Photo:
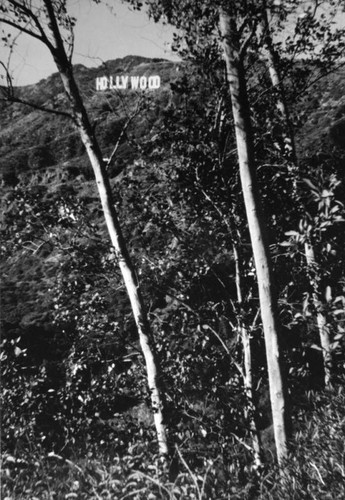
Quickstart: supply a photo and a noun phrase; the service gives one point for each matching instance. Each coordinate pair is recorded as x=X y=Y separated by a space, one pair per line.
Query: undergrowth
x=315 y=469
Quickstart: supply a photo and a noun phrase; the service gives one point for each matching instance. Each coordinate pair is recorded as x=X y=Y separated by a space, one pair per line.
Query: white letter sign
x=124 y=82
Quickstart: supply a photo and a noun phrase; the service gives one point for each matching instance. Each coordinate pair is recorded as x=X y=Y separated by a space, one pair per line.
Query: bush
x=315 y=469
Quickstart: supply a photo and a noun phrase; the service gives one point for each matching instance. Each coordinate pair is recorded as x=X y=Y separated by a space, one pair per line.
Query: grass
x=315 y=469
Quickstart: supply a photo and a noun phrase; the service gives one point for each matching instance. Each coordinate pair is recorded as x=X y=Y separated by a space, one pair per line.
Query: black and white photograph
x=172 y=285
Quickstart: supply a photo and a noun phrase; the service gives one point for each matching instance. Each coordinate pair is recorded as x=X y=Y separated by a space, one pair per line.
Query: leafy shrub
x=316 y=467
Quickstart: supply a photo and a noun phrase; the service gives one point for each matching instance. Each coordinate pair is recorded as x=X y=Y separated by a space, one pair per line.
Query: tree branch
x=21 y=28
x=246 y=41
x=123 y=131
x=54 y=28
x=27 y=11
x=10 y=97
x=18 y=100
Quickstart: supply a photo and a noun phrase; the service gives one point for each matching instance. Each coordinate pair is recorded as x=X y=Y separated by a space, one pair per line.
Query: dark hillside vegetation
x=31 y=140
x=76 y=420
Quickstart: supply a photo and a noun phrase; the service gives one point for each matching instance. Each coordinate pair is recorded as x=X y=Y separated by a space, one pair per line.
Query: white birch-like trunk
x=270 y=57
x=272 y=62
x=104 y=189
x=321 y=320
x=268 y=304
x=247 y=372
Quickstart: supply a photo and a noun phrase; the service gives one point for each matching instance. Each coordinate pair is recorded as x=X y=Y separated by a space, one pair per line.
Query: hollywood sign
x=128 y=82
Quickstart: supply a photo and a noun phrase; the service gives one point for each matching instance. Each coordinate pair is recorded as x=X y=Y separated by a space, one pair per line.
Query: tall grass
x=315 y=469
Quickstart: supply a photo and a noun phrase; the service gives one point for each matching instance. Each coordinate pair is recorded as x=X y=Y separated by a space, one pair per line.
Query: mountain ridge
x=26 y=132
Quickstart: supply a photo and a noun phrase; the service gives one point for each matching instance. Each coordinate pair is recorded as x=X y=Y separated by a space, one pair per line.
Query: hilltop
x=32 y=140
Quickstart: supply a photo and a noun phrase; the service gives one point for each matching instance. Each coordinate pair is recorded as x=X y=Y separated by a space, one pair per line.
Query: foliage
x=315 y=470
x=316 y=466
x=72 y=371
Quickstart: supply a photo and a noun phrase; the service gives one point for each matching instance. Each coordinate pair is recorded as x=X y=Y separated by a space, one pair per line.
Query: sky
x=101 y=33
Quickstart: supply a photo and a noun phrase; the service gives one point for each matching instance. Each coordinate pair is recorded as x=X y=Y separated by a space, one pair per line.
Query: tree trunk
x=271 y=58
x=321 y=320
x=85 y=130
x=268 y=303
x=247 y=372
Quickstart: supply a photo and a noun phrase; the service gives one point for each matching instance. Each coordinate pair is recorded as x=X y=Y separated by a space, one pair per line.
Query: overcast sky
x=100 y=34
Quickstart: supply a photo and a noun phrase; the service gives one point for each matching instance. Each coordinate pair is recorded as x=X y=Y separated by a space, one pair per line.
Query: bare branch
x=123 y=131
x=8 y=79
x=21 y=28
x=9 y=96
x=71 y=44
x=243 y=25
x=18 y=100
x=319 y=77
x=247 y=40
x=28 y=12
x=54 y=28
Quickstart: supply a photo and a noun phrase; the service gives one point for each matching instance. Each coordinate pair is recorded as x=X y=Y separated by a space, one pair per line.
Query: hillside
x=322 y=112
x=74 y=376
x=32 y=141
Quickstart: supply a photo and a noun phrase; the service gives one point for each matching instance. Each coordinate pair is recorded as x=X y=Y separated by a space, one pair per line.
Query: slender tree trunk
x=320 y=318
x=245 y=338
x=268 y=303
x=85 y=130
x=248 y=371
x=272 y=61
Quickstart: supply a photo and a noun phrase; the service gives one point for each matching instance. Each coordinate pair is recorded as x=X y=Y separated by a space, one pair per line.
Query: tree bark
x=248 y=366
x=271 y=58
x=272 y=61
x=268 y=304
x=132 y=286
x=321 y=319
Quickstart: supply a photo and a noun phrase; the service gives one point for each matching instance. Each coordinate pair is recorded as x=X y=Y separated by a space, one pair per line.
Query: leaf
x=339 y=311
x=17 y=351
x=325 y=224
x=310 y=184
x=326 y=193
x=328 y=294
x=51 y=454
